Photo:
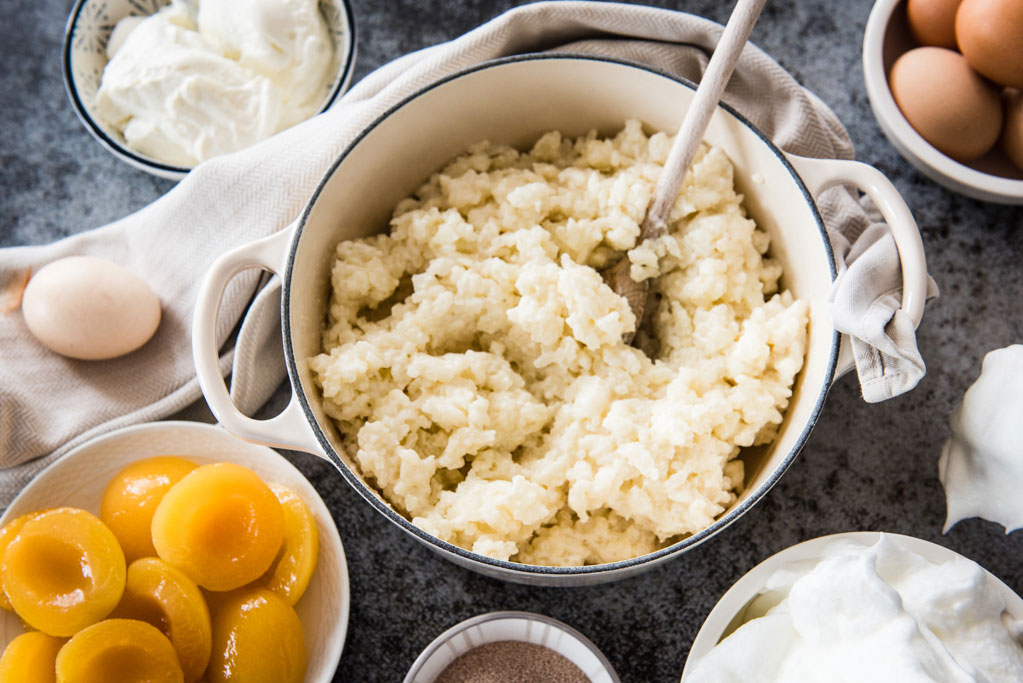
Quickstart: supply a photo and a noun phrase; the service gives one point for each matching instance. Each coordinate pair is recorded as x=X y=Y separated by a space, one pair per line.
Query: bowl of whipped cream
x=168 y=84
x=862 y=606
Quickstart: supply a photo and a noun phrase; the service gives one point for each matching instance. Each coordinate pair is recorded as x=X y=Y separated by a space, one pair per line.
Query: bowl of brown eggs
x=945 y=81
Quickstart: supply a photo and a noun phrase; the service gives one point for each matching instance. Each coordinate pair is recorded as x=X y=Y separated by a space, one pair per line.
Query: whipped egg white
x=184 y=88
x=875 y=613
x=981 y=465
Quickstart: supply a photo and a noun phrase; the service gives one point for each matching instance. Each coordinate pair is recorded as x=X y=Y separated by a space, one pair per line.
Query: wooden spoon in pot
x=687 y=141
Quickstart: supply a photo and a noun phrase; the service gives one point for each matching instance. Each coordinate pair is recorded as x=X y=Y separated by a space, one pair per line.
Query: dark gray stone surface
x=865 y=467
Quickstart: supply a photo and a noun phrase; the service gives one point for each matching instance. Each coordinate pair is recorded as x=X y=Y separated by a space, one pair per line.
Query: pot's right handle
x=289 y=429
x=821 y=174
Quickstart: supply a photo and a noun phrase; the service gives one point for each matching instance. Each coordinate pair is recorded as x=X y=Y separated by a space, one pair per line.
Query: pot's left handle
x=821 y=174
x=289 y=429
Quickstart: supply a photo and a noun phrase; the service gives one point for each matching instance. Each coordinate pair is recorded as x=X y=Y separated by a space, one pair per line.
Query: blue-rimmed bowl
x=513 y=101
x=84 y=57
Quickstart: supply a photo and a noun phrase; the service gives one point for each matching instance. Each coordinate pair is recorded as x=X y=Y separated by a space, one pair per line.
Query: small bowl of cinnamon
x=522 y=645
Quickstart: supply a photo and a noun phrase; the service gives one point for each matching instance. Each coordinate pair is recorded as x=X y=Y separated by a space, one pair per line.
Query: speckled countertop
x=865 y=467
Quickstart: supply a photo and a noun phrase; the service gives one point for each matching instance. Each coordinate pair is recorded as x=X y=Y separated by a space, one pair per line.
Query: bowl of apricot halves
x=171 y=552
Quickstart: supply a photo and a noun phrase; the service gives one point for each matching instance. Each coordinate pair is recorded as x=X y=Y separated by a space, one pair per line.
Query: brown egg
x=951 y=106
x=1012 y=131
x=990 y=35
x=89 y=308
x=933 y=22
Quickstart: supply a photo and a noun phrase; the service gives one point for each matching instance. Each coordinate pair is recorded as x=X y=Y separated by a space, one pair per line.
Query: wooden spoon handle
x=690 y=133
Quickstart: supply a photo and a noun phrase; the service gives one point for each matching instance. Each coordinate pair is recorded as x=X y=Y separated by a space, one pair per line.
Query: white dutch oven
x=514 y=101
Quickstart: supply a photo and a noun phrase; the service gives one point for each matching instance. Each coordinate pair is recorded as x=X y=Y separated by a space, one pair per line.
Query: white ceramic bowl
x=991 y=178
x=514 y=101
x=523 y=626
x=84 y=56
x=730 y=611
x=79 y=478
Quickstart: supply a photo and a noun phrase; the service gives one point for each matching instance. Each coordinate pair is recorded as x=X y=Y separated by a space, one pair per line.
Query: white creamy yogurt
x=981 y=465
x=873 y=613
x=182 y=92
x=283 y=40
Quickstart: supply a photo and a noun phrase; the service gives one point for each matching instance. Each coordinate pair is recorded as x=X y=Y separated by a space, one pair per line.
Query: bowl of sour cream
x=862 y=606
x=165 y=85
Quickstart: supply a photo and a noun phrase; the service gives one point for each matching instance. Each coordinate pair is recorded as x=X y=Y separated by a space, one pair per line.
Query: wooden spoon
x=687 y=141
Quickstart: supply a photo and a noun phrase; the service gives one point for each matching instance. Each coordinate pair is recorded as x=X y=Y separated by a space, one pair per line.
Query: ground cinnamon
x=512 y=661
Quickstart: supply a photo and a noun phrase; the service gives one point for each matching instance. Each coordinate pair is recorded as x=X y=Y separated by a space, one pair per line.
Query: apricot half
x=131 y=497
x=257 y=638
x=122 y=650
x=220 y=524
x=63 y=571
x=295 y=563
x=7 y=534
x=30 y=657
x=160 y=595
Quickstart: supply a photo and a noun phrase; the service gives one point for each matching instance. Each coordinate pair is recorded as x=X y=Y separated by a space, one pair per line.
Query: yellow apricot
x=220 y=524
x=63 y=571
x=295 y=563
x=158 y=594
x=257 y=638
x=122 y=650
x=7 y=534
x=131 y=497
x=30 y=658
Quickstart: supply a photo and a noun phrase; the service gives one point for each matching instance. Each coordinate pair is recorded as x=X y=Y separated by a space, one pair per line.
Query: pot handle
x=822 y=174
x=289 y=429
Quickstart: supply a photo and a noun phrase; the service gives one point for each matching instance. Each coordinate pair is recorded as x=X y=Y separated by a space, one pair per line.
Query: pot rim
x=506 y=566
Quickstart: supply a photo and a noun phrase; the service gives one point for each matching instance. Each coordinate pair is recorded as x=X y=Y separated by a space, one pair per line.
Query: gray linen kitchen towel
x=50 y=404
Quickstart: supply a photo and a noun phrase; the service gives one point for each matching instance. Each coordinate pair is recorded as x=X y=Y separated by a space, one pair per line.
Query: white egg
x=89 y=308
